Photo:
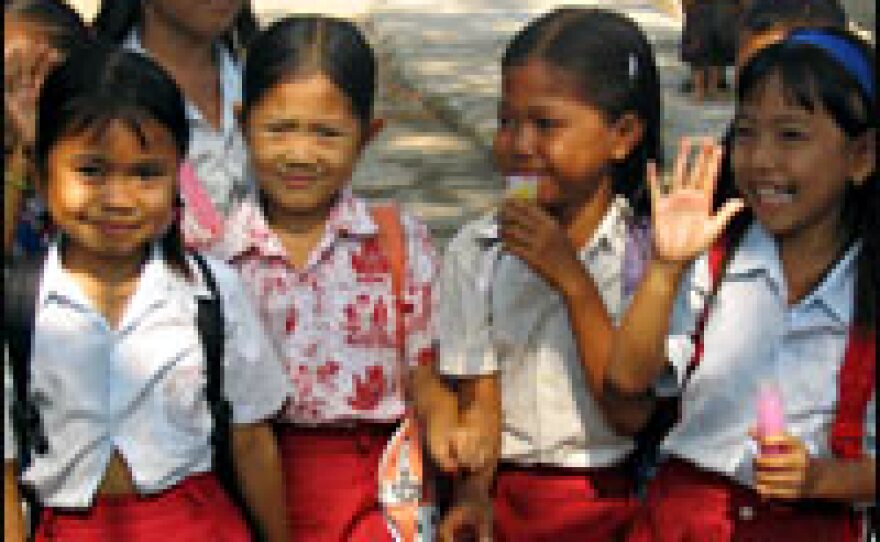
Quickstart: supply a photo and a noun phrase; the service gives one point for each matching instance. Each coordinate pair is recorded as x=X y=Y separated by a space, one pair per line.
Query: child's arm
x=437 y=410
x=792 y=474
x=258 y=470
x=539 y=240
x=13 y=516
x=477 y=446
x=683 y=227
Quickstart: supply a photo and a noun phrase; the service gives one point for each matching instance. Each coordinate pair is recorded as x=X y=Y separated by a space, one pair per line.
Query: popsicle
x=522 y=187
x=771 y=416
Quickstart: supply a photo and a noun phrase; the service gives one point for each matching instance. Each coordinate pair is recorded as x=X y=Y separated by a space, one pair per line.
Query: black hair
x=116 y=19
x=614 y=65
x=65 y=28
x=764 y=15
x=99 y=84
x=306 y=45
x=815 y=80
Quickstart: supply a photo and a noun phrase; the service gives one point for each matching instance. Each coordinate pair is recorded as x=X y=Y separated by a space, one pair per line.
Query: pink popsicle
x=771 y=416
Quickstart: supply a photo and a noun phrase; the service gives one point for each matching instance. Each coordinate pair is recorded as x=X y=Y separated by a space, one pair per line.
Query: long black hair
x=116 y=19
x=65 y=27
x=306 y=45
x=99 y=84
x=816 y=79
x=613 y=62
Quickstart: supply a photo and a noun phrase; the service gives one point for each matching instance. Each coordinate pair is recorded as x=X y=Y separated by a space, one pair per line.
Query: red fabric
x=855 y=384
x=685 y=503
x=561 y=505
x=331 y=478
x=195 y=510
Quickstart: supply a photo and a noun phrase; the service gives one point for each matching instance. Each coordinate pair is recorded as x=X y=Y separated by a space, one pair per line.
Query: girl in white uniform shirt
x=580 y=110
x=792 y=304
x=117 y=371
x=199 y=44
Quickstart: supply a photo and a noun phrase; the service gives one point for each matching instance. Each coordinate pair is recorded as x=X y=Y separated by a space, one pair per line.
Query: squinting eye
x=793 y=135
x=543 y=123
x=328 y=131
x=149 y=172
x=90 y=170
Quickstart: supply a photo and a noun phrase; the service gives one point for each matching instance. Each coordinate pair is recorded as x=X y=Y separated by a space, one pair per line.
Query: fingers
x=442 y=452
x=681 y=164
x=725 y=215
x=653 y=178
x=471 y=448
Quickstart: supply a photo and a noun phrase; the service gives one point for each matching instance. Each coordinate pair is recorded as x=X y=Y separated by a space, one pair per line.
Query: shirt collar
x=157 y=281
x=758 y=254
x=350 y=217
x=230 y=82
x=609 y=236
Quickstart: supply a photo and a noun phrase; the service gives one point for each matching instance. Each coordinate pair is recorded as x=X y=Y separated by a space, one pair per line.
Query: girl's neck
x=808 y=256
x=109 y=282
x=581 y=222
x=174 y=48
x=299 y=232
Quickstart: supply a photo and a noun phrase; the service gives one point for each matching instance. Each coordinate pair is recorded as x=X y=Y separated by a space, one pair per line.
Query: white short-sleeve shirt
x=752 y=337
x=495 y=315
x=138 y=389
x=218 y=156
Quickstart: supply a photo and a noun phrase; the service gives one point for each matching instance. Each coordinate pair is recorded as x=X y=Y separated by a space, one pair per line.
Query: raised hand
x=26 y=66
x=683 y=223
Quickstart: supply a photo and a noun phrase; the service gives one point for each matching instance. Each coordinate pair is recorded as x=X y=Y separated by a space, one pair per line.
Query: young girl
x=117 y=373
x=37 y=34
x=312 y=257
x=787 y=299
x=199 y=45
x=527 y=300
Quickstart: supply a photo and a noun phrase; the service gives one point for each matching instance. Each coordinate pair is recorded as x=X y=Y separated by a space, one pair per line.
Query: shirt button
x=746 y=513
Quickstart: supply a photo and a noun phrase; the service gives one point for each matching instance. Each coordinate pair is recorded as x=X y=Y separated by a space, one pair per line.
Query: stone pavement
x=450 y=53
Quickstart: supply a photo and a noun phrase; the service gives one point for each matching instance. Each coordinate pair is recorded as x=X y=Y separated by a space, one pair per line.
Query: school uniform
x=219 y=156
x=334 y=320
x=139 y=390
x=752 y=336
x=560 y=476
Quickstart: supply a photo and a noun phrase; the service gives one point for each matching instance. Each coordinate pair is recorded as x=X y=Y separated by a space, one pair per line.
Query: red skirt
x=195 y=510
x=331 y=480
x=557 y=504
x=687 y=503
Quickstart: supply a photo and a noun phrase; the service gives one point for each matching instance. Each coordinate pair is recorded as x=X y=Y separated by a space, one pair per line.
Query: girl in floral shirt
x=312 y=256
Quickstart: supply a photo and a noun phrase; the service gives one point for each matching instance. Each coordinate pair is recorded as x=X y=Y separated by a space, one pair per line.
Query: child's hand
x=784 y=473
x=468 y=519
x=441 y=424
x=26 y=67
x=534 y=236
x=683 y=224
x=477 y=440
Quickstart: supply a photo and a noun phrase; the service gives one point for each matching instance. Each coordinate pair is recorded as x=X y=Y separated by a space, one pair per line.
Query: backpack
x=405 y=489
x=21 y=284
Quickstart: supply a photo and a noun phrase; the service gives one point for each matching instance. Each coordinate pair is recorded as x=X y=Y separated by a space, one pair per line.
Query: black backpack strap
x=211 y=327
x=21 y=288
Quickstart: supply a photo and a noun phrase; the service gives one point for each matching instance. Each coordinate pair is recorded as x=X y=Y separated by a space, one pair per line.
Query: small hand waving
x=683 y=223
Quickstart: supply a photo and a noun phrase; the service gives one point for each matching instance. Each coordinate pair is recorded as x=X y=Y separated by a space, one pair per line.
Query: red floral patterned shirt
x=333 y=320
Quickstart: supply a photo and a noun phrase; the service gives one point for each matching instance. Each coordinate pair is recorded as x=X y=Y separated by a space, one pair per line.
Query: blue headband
x=848 y=55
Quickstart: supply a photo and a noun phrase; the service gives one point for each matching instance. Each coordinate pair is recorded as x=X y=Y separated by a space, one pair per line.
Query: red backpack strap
x=855 y=385
x=717 y=256
x=392 y=240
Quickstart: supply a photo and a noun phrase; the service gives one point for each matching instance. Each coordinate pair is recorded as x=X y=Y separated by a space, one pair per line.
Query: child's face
x=546 y=129
x=206 y=18
x=111 y=189
x=304 y=141
x=792 y=165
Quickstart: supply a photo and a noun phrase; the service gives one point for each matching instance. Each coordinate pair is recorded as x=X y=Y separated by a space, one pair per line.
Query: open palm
x=683 y=223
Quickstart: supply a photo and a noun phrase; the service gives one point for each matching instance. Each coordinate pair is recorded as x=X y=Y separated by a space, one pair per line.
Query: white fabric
x=494 y=315
x=753 y=336
x=138 y=389
x=219 y=156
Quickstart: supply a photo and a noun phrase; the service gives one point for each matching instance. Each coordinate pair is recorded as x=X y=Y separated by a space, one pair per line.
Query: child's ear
x=863 y=157
x=628 y=130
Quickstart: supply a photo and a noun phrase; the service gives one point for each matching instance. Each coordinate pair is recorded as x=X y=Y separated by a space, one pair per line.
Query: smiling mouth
x=773 y=195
